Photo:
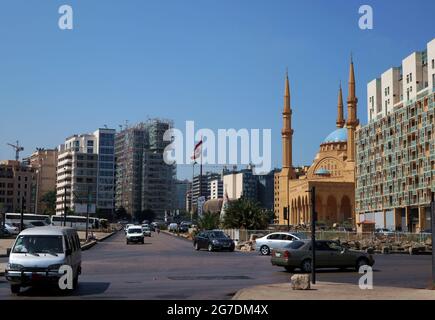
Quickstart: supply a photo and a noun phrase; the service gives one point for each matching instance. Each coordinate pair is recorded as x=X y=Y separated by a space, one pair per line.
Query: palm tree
x=208 y=221
x=246 y=214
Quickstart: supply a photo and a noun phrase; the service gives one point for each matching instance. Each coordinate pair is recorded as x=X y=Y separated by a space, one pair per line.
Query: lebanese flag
x=197 y=150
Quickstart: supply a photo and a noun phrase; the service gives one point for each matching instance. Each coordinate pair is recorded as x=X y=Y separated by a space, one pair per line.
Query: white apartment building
x=401 y=85
x=85 y=173
x=216 y=189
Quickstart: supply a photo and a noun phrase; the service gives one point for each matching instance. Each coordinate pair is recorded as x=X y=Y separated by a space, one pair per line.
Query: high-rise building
x=17 y=187
x=182 y=189
x=216 y=189
x=205 y=186
x=143 y=180
x=85 y=173
x=241 y=183
x=44 y=163
x=395 y=161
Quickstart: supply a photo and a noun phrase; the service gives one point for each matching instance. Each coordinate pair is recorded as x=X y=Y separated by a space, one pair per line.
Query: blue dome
x=322 y=172
x=339 y=135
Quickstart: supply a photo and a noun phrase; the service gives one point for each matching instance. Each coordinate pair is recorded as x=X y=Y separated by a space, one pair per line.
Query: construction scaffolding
x=143 y=180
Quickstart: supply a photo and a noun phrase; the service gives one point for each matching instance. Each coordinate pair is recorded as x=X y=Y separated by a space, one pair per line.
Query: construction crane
x=17 y=149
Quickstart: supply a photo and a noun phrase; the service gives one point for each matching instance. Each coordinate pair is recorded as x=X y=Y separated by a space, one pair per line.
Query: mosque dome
x=322 y=172
x=339 y=135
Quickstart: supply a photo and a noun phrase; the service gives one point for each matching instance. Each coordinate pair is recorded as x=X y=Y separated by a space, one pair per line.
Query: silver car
x=276 y=240
x=38 y=254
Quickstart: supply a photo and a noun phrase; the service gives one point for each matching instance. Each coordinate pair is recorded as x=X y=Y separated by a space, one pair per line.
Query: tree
x=49 y=200
x=121 y=213
x=209 y=221
x=246 y=214
x=146 y=214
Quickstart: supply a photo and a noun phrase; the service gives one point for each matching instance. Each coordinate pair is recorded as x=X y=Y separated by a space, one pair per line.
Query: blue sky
x=220 y=63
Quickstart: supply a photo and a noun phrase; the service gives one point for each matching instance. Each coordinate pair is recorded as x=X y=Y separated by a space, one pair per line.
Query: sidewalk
x=332 y=291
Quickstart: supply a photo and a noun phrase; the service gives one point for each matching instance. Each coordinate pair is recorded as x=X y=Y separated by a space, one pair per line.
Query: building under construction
x=143 y=180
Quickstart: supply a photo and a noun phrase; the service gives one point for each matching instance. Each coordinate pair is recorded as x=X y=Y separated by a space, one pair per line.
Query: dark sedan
x=213 y=240
x=329 y=254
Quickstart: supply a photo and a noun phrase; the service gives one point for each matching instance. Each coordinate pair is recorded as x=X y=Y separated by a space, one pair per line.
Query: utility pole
x=87 y=212
x=22 y=214
x=313 y=234
x=64 y=206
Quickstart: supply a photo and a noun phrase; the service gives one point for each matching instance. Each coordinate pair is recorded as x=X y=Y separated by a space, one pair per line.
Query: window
x=433 y=63
x=275 y=236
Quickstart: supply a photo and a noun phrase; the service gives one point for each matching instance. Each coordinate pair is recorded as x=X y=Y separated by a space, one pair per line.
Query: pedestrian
x=158 y=230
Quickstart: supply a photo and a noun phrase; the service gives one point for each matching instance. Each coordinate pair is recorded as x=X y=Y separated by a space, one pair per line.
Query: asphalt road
x=167 y=267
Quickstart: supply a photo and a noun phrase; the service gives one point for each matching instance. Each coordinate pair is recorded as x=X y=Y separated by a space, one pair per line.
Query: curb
x=175 y=235
x=107 y=236
x=88 y=245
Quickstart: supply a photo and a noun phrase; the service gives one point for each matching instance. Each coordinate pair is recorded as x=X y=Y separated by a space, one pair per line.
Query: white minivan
x=39 y=252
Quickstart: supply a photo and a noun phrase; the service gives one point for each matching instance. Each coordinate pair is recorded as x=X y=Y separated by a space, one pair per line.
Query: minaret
x=287 y=172
x=352 y=121
x=287 y=132
x=340 y=118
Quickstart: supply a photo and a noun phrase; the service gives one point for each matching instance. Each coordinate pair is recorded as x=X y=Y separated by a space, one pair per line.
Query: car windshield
x=217 y=235
x=38 y=244
x=295 y=245
x=134 y=230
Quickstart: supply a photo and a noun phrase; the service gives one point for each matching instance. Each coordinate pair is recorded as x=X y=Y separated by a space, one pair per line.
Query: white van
x=38 y=253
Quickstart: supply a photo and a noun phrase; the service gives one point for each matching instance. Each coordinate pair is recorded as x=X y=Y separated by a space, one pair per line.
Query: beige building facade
x=17 y=182
x=44 y=163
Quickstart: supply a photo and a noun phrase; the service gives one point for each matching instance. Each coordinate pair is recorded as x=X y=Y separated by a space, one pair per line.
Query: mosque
x=332 y=172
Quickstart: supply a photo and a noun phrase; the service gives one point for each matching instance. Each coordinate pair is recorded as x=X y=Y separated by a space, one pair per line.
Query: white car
x=276 y=240
x=173 y=227
x=134 y=234
x=146 y=231
x=12 y=229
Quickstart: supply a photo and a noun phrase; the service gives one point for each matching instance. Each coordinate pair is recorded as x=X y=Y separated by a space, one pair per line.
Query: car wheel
x=196 y=246
x=210 y=247
x=306 y=266
x=361 y=262
x=232 y=249
x=127 y=242
x=289 y=269
x=15 y=288
x=264 y=250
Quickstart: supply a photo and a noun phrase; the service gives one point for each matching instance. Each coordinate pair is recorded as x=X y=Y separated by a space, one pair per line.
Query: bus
x=15 y=218
x=77 y=222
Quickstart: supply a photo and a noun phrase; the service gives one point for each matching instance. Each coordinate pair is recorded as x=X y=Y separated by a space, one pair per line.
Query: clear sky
x=220 y=63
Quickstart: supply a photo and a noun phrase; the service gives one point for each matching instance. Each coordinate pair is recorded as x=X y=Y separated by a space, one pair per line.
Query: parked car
x=276 y=240
x=4 y=232
x=213 y=240
x=329 y=254
x=146 y=231
x=183 y=227
x=134 y=234
x=39 y=252
x=384 y=232
x=13 y=230
x=173 y=227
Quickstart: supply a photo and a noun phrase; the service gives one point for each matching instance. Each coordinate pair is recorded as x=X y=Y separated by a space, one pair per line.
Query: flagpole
x=200 y=173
